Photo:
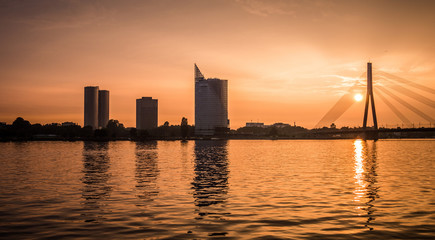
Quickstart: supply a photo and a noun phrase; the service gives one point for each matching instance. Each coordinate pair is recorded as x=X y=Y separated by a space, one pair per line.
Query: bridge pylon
x=370 y=99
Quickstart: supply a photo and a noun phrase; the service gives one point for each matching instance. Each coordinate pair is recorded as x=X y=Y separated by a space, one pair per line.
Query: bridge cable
x=409 y=106
x=412 y=94
x=393 y=108
x=340 y=107
x=410 y=83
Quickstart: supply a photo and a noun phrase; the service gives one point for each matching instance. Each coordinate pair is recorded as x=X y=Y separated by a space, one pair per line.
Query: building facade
x=211 y=104
x=91 y=107
x=96 y=107
x=146 y=113
x=103 y=108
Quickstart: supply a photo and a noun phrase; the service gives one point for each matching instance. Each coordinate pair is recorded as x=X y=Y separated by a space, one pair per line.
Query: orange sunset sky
x=285 y=61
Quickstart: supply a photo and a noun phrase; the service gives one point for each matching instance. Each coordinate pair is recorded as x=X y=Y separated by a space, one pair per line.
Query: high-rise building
x=146 y=113
x=211 y=104
x=103 y=108
x=96 y=107
x=91 y=107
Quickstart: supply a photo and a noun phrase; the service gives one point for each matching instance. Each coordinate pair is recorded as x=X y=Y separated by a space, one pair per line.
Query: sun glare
x=358 y=97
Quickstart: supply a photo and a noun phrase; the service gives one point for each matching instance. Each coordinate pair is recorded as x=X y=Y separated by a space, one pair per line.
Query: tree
x=115 y=128
x=20 y=123
x=133 y=133
x=184 y=128
x=86 y=132
x=21 y=128
x=101 y=133
x=273 y=131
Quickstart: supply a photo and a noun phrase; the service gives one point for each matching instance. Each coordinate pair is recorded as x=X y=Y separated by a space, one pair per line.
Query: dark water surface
x=338 y=189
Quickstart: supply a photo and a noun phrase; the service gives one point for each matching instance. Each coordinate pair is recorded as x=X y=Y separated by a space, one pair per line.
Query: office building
x=96 y=107
x=103 y=108
x=91 y=107
x=146 y=113
x=211 y=104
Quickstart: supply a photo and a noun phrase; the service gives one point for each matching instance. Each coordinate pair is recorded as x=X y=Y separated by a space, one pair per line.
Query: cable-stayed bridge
x=396 y=93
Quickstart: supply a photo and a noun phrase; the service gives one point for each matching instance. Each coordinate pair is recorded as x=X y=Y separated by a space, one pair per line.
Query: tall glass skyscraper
x=211 y=104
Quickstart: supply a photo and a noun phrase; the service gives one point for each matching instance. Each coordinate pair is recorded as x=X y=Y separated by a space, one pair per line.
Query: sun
x=358 y=97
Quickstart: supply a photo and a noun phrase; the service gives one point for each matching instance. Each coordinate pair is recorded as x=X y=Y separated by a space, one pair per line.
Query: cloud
x=266 y=8
x=49 y=15
x=285 y=7
x=345 y=80
x=421 y=69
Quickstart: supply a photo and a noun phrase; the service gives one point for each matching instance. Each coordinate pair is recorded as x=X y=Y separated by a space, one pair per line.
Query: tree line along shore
x=23 y=130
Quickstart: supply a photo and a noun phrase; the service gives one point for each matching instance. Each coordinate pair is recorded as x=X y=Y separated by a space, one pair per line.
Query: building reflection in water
x=210 y=184
x=147 y=171
x=96 y=190
x=366 y=190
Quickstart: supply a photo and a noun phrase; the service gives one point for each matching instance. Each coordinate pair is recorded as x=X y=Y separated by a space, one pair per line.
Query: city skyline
x=288 y=61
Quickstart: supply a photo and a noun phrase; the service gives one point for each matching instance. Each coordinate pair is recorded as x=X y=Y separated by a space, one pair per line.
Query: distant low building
x=254 y=124
x=67 y=124
x=146 y=113
x=280 y=125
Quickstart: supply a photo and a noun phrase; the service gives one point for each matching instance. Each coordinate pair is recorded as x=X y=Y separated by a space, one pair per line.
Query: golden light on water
x=366 y=188
x=360 y=188
x=358 y=97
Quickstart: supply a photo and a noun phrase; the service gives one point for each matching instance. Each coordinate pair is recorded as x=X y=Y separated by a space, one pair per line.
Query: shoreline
x=205 y=139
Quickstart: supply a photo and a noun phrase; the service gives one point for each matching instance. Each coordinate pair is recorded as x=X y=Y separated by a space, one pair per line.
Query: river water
x=236 y=189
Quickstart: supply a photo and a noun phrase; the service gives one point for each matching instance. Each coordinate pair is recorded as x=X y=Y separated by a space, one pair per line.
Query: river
x=230 y=189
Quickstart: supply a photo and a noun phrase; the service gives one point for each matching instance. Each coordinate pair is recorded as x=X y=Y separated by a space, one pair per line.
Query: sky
x=285 y=61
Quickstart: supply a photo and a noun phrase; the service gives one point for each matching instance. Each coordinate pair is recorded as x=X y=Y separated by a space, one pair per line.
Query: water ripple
x=255 y=189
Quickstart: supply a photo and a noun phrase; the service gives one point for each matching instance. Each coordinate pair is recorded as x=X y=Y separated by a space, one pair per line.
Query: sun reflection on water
x=366 y=189
x=359 y=157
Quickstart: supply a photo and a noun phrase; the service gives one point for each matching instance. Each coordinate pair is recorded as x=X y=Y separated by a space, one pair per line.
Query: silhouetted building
x=96 y=107
x=103 y=108
x=146 y=113
x=91 y=107
x=254 y=124
x=211 y=104
x=281 y=125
